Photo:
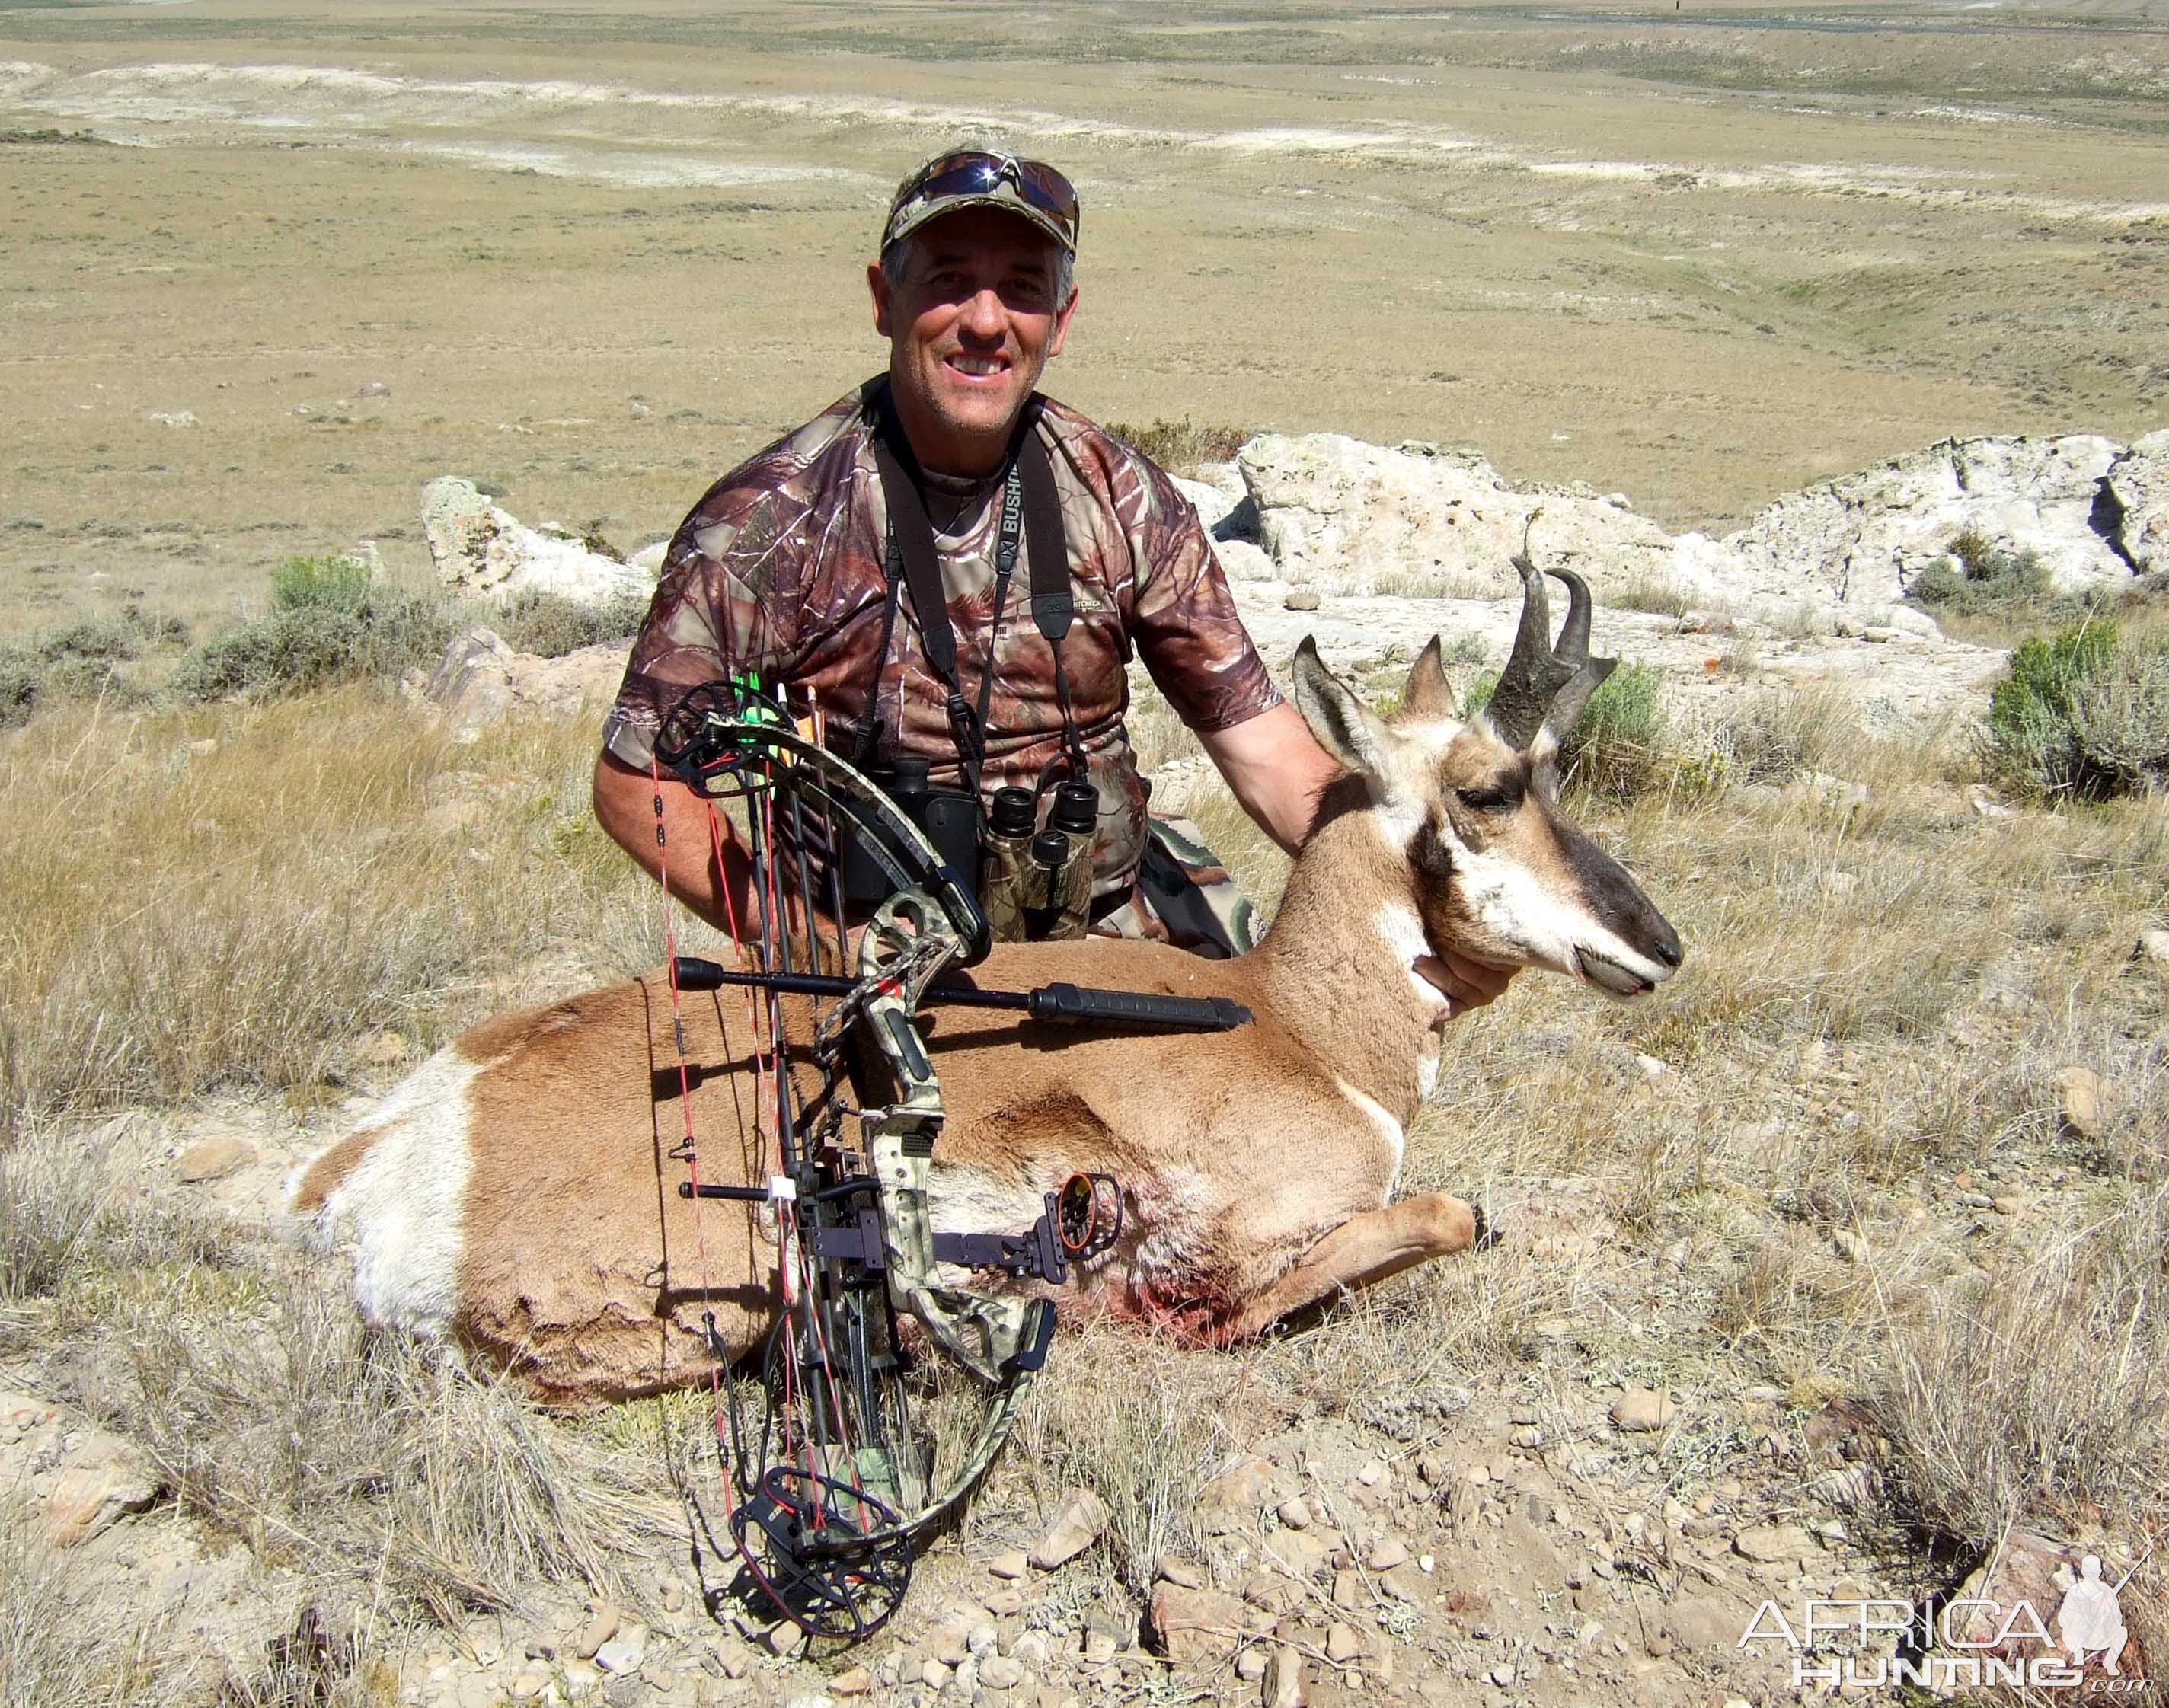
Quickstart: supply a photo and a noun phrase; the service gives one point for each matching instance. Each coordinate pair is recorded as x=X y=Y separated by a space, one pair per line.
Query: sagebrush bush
x=1980 y=578
x=20 y=682
x=1621 y=745
x=2085 y=713
x=551 y=625
x=333 y=583
x=294 y=647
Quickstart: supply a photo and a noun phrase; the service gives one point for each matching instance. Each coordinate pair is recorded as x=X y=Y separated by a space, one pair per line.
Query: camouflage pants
x=1182 y=896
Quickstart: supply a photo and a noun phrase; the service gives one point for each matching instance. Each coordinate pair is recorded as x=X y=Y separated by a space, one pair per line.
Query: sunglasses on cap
x=976 y=177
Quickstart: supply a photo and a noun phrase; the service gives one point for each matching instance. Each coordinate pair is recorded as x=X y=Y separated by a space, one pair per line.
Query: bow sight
x=829 y=1493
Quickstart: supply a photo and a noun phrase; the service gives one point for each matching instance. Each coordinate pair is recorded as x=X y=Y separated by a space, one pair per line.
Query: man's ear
x=1061 y=324
x=877 y=282
x=1344 y=726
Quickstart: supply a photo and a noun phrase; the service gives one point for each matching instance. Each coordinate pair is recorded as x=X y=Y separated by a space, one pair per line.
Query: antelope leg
x=1364 y=1248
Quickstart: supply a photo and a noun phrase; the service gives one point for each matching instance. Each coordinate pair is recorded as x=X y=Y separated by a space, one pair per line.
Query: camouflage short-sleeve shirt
x=778 y=568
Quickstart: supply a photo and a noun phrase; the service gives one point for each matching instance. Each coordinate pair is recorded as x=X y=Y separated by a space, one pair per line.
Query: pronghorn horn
x=1573 y=650
x=1533 y=675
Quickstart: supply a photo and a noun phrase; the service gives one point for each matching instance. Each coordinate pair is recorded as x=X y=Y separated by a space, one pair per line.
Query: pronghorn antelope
x=515 y=1196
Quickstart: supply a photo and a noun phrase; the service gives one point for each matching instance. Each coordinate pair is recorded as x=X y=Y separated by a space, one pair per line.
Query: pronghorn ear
x=1344 y=726
x=1429 y=697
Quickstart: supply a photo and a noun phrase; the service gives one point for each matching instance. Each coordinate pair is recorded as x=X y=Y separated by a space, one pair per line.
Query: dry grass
x=229 y=896
x=1878 y=995
x=53 y=1652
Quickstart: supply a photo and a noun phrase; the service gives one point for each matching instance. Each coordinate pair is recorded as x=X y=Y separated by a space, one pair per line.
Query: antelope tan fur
x=516 y=1196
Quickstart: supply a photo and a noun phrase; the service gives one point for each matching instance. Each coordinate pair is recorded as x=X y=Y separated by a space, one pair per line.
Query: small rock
x=1031 y=1650
x=1302 y=600
x=1010 y=1565
x=1642 y=1411
x=105 y=1479
x=1389 y=1553
x=1502 y=1676
x=600 y=1627
x=947 y=1645
x=1001 y=1672
x=1976 y=1201
x=624 y=1649
x=935 y=1674
x=1284 y=1685
x=1251 y=1665
x=1372 y=1474
x=1082 y=1518
x=1773 y=1544
x=212 y=1160
x=2081 y=1098
x=1194 y=1627
x=1294 y=1511
x=1100 y=1648
x=1173 y=1568
x=1342 y=1644
x=2152 y=946
x=373 y=388
x=2006 y=1205
x=1850 y=1245
x=1528 y=1436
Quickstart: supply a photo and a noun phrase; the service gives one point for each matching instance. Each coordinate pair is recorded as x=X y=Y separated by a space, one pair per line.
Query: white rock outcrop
x=484 y=552
x=2138 y=485
x=479 y=679
x=1338 y=516
x=1861 y=539
x=1346 y=517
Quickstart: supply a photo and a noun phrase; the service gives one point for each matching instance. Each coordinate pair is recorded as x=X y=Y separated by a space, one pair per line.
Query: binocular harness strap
x=1030 y=508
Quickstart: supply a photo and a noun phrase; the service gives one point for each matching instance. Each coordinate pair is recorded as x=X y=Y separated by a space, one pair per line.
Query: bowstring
x=685 y=1098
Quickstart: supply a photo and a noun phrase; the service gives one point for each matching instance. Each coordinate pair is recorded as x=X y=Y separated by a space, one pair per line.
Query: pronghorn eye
x=1489 y=800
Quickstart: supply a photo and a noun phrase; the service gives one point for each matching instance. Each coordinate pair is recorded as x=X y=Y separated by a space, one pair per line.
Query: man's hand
x=1465 y=984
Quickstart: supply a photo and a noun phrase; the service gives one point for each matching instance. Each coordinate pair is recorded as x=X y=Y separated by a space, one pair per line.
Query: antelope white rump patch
x=406 y=1201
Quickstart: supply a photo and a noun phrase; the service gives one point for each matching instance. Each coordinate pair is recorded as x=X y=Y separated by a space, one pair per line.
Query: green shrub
x=334 y=583
x=106 y=638
x=1980 y=579
x=20 y=681
x=1620 y=745
x=292 y=647
x=552 y=625
x=2085 y=713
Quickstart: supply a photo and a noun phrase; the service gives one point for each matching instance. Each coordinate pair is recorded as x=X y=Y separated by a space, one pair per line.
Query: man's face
x=970 y=330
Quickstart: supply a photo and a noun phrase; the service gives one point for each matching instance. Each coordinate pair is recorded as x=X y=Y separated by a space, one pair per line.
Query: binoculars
x=1034 y=884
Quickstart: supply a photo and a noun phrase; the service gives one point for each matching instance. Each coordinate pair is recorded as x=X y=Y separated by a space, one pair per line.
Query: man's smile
x=975 y=367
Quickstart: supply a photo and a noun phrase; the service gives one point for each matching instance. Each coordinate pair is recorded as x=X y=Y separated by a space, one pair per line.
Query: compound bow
x=830 y=1497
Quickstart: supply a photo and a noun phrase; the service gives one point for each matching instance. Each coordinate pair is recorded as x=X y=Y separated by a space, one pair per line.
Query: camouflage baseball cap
x=978 y=177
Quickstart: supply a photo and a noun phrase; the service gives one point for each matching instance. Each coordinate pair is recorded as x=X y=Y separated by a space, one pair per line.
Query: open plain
x=1833 y=1271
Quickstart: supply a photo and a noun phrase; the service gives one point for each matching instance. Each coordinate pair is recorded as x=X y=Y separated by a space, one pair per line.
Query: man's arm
x=1277 y=770
x=625 y=807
